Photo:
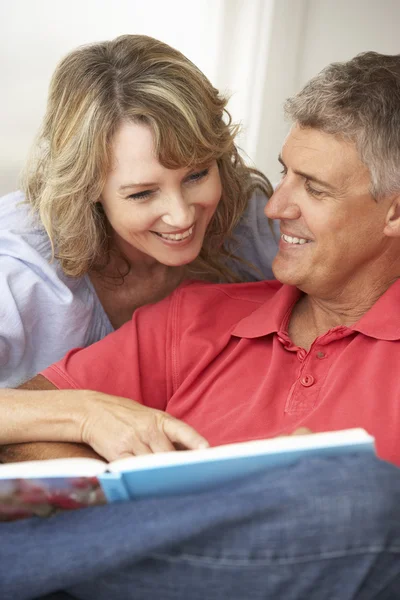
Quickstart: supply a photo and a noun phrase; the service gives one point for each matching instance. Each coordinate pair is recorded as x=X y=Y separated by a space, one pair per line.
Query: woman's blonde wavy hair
x=93 y=90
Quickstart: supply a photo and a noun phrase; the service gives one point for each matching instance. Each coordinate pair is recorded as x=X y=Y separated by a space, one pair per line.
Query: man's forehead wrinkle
x=301 y=146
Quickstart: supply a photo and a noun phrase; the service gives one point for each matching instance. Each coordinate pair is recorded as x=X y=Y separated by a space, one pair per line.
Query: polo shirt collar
x=269 y=316
x=381 y=322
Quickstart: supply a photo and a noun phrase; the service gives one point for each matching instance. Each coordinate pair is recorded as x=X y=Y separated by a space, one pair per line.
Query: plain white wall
x=306 y=37
x=260 y=50
x=36 y=34
x=224 y=38
x=338 y=30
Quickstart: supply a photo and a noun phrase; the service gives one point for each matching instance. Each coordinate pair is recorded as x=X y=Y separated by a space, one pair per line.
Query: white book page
x=60 y=467
x=90 y=467
x=291 y=443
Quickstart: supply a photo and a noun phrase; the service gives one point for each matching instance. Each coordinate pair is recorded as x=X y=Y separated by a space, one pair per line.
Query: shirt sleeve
x=132 y=362
x=255 y=241
x=42 y=315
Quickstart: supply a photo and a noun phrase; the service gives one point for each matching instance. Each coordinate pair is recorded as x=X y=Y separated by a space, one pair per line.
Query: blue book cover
x=200 y=470
x=41 y=488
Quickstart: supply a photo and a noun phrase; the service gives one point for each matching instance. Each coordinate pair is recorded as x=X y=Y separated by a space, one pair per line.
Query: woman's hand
x=41 y=422
x=116 y=428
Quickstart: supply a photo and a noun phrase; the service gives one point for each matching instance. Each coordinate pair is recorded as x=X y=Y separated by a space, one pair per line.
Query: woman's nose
x=179 y=214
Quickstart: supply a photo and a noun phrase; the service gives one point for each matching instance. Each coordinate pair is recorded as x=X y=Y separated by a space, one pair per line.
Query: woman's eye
x=283 y=172
x=198 y=175
x=312 y=191
x=141 y=195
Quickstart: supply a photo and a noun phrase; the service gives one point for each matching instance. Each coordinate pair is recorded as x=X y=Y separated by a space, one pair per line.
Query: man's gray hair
x=358 y=100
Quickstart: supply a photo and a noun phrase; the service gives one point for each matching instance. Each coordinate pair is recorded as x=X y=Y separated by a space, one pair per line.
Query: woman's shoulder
x=26 y=254
x=255 y=241
x=16 y=214
x=254 y=219
x=24 y=242
x=44 y=312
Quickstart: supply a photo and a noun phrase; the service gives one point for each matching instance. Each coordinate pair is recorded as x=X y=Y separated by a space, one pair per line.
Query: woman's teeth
x=176 y=236
x=293 y=240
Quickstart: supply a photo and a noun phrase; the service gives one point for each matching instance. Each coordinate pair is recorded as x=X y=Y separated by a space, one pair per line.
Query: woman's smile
x=176 y=237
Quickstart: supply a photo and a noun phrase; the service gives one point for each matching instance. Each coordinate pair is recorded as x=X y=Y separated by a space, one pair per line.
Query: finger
x=161 y=444
x=123 y=455
x=298 y=431
x=138 y=448
x=302 y=431
x=181 y=433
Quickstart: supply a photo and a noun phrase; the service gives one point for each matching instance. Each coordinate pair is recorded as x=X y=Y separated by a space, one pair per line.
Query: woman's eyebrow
x=128 y=186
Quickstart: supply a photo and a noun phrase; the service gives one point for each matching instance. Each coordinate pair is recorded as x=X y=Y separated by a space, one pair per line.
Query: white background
x=260 y=51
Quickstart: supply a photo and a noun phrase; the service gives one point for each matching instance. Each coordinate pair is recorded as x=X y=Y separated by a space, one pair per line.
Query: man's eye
x=312 y=190
x=140 y=195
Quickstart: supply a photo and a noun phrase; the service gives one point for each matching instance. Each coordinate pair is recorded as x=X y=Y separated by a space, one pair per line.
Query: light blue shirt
x=44 y=313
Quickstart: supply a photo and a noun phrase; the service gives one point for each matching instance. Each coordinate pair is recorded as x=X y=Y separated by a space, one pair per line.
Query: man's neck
x=312 y=316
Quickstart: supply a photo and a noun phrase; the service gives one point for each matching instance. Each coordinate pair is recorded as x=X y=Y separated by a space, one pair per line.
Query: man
x=318 y=348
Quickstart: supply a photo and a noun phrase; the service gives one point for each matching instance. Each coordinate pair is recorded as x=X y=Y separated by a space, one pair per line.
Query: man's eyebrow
x=128 y=186
x=308 y=176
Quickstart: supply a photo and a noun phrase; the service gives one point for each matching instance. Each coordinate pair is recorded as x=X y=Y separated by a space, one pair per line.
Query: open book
x=43 y=487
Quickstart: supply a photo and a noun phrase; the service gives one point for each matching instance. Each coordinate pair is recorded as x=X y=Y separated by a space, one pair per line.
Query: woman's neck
x=121 y=294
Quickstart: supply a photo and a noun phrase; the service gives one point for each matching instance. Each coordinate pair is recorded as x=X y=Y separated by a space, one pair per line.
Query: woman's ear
x=392 y=226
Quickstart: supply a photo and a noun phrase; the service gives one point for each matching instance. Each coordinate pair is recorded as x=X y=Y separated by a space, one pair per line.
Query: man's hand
x=299 y=431
x=302 y=431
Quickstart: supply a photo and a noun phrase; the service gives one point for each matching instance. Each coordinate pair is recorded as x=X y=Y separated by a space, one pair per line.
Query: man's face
x=331 y=226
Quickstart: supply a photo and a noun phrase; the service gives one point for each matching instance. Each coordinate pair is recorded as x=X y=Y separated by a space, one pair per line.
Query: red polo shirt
x=219 y=358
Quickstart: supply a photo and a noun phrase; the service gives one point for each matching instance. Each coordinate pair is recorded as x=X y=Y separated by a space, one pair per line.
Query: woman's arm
x=37 y=417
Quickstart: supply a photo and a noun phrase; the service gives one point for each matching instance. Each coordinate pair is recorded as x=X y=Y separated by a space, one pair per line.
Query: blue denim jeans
x=323 y=529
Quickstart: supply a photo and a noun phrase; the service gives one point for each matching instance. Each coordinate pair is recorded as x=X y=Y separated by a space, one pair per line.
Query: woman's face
x=157 y=212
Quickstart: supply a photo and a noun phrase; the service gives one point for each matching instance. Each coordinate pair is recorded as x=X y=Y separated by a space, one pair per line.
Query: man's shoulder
x=230 y=301
x=256 y=292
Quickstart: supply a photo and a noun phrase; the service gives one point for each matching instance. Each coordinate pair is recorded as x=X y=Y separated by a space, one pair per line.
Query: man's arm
x=44 y=451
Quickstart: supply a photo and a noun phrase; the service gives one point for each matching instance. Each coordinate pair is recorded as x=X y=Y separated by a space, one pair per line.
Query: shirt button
x=320 y=354
x=307 y=380
x=301 y=354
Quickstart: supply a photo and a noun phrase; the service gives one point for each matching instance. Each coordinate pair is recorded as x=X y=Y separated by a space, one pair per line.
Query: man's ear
x=392 y=226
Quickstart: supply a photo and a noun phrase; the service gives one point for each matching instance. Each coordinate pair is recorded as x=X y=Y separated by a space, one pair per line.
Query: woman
x=135 y=184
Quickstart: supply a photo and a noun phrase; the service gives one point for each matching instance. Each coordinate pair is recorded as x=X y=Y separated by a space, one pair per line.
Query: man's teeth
x=293 y=240
x=177 y=236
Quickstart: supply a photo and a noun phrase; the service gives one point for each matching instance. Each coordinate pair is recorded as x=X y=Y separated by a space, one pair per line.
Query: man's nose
x=282 y=205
